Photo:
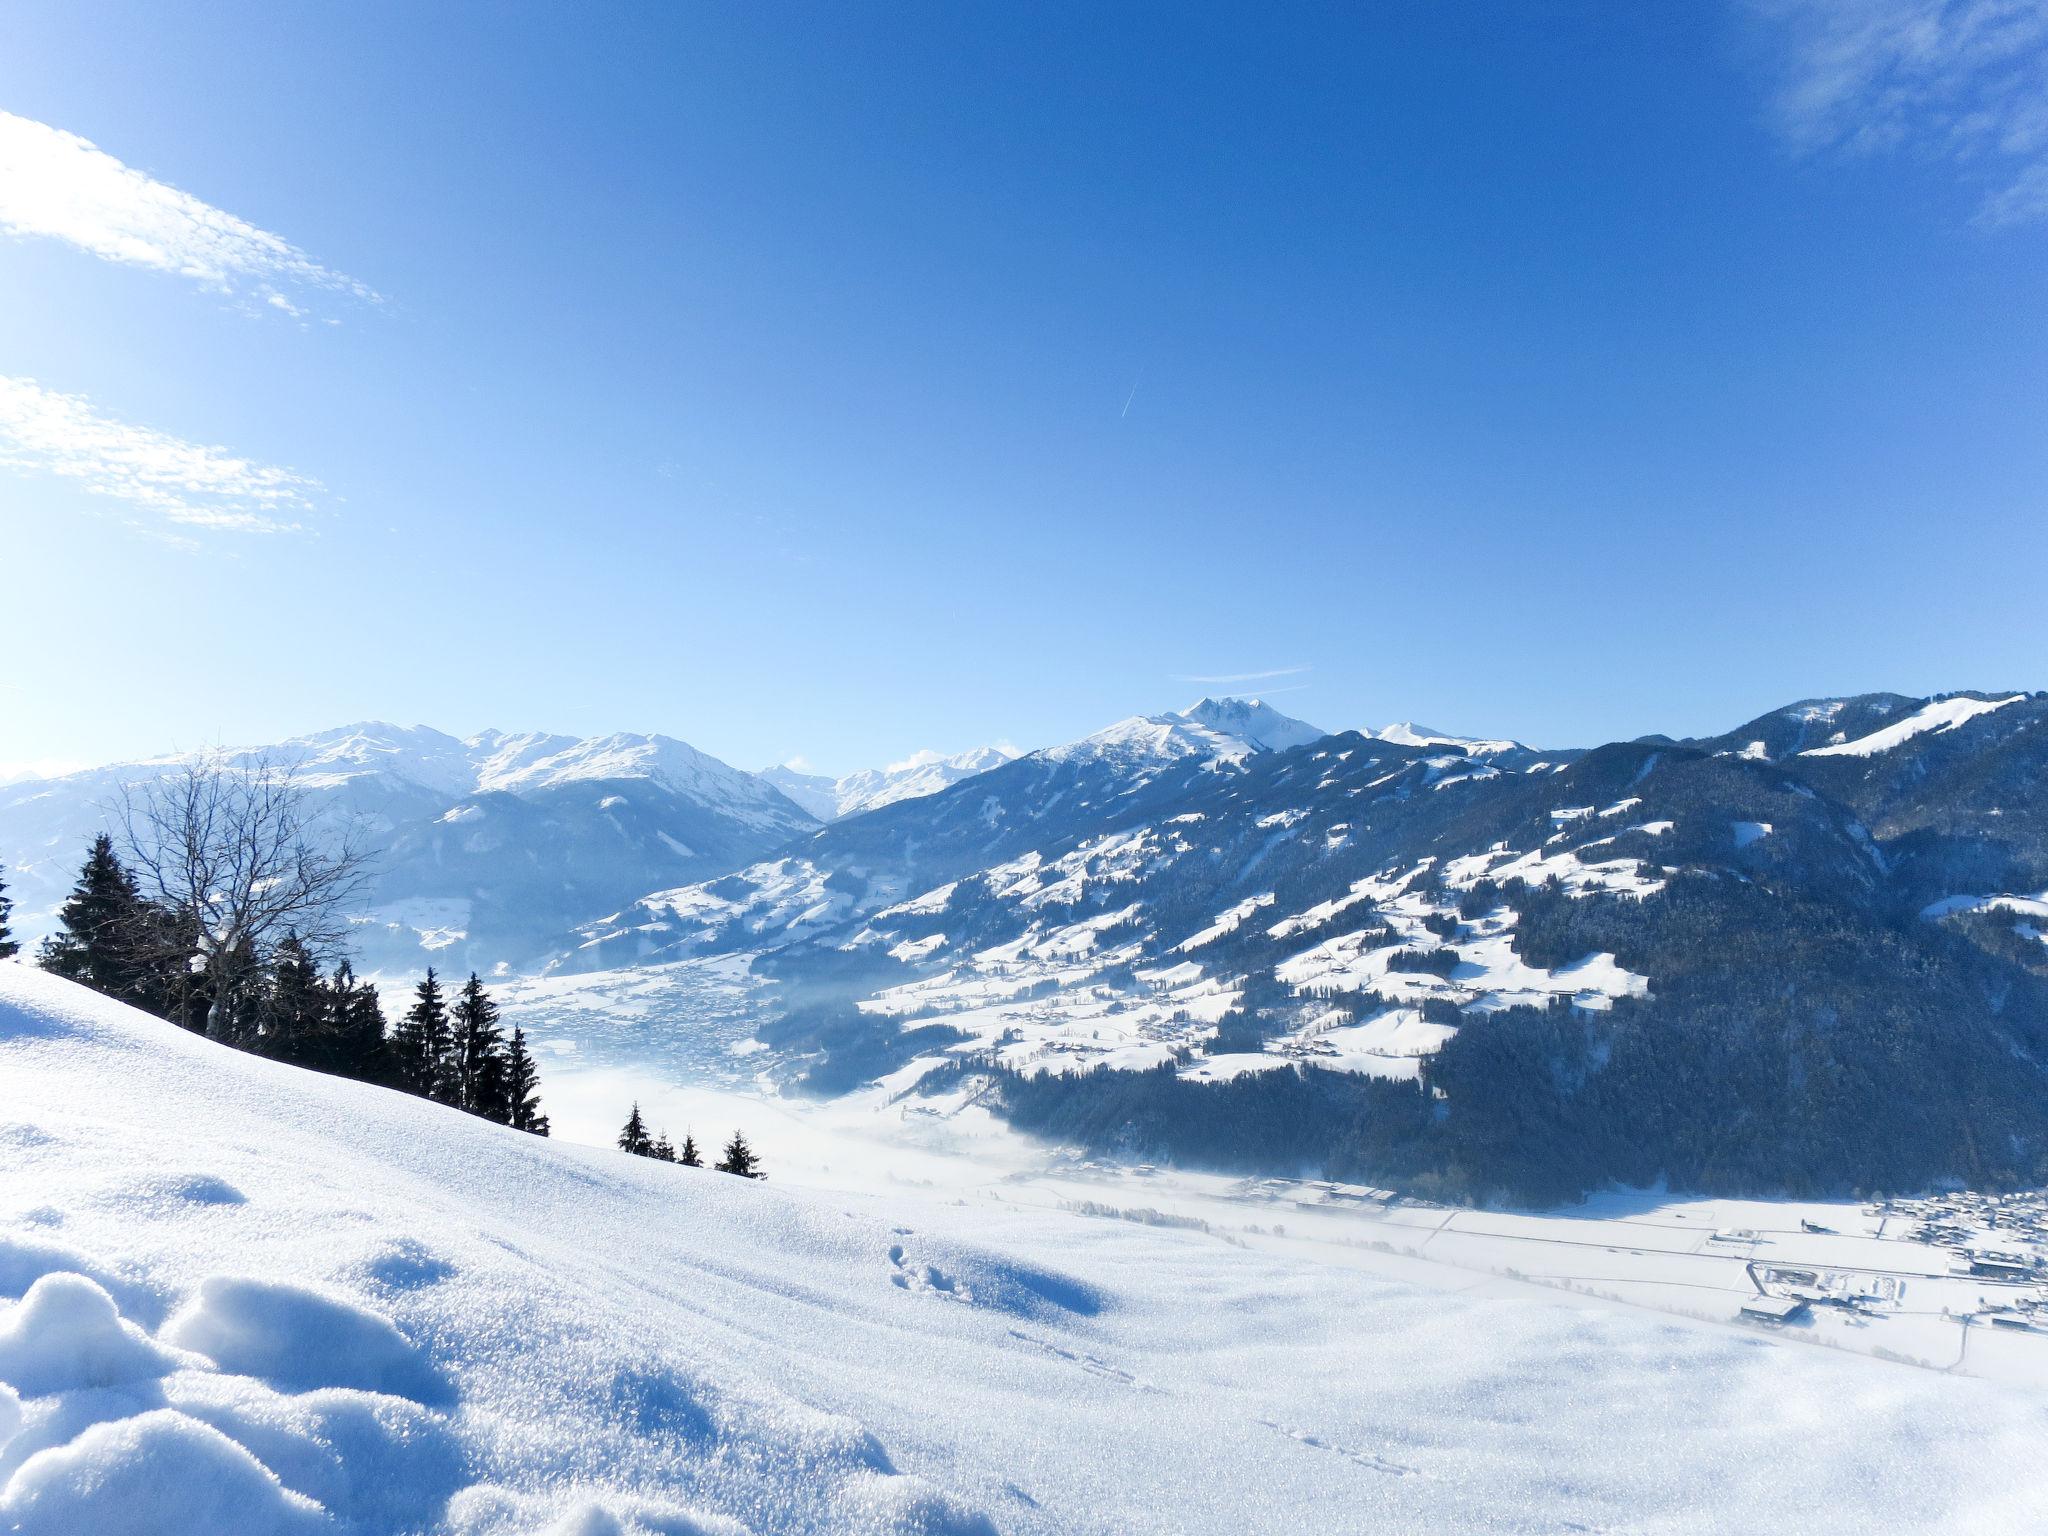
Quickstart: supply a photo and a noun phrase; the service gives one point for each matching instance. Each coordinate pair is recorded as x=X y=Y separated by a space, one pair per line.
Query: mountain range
x=922 y=773
x=487 y=847
x=1805 y=953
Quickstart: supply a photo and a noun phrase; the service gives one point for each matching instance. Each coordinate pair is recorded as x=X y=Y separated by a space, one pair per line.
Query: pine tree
x=238 y=1006
x=420 y=1044
x=522 y=1088
x=7 y=944
x=739 y=1158
x=354 y=1037
x=633 y=1138
x=102 y=941
x=663 y=1151
x=690 y=1157
x=295 y=1012
x=478 y=1053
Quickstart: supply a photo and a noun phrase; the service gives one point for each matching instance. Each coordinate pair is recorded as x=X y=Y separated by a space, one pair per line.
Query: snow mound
x=299 y=1340
x=66 y=1334
x=157 y=1474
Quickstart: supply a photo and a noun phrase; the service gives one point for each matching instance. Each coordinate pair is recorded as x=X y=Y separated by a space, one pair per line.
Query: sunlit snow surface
x=240 y=1298
x=1941 y=715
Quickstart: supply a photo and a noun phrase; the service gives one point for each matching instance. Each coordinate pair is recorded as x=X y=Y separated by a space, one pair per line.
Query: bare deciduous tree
x=232 y=853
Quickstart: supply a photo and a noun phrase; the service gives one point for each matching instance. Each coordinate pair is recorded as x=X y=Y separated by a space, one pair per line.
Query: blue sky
x=844 y=380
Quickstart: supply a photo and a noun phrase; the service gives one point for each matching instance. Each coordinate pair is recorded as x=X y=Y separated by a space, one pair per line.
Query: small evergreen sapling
x=739 y=1158
x=634 y=1138
x=690 y=1157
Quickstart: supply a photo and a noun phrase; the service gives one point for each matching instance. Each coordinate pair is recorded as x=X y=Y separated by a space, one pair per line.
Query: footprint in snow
x=923 y=1277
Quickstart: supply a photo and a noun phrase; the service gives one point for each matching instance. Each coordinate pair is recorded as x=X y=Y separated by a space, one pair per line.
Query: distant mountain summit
x=922 y=773
x=1253 y=721
x=1220 y=730
x=1407 y=733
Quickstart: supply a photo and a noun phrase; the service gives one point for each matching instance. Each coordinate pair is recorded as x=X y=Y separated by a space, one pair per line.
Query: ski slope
x=236 y=1298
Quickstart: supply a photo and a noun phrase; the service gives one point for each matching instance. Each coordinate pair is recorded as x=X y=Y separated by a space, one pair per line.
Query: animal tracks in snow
x=1370 y=1459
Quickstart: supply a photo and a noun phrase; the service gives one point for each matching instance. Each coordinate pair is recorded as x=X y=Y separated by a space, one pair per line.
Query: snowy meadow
x=242 y=1298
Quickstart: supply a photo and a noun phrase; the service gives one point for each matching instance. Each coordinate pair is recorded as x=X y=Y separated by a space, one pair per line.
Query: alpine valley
x=1807 y=956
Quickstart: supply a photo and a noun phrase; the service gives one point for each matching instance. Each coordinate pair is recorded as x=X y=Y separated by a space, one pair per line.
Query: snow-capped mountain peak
x=922 y=773
x=543 y=762
x=1254 y=722
x=1226 y=730
x=418 y=754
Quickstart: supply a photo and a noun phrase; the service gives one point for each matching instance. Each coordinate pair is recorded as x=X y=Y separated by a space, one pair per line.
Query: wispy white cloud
x=56 y=185
x=1240 y=677
x=178 y=485
x=1965 y=81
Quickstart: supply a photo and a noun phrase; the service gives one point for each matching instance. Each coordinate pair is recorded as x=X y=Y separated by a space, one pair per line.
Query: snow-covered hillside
x=1662 y=921
x=241 y=1300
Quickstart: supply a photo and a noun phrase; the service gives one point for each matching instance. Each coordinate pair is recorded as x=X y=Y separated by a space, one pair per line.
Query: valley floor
x=236 y=1298
x=1889 y=1281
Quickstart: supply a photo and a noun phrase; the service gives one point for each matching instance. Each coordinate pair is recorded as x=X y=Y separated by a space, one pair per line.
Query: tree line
x=219 y=911
x=278 y=1001
x=737 y=1158
x=215 y=911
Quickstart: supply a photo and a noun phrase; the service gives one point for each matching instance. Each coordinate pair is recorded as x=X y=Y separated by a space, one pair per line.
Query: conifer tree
x=354 y=1037
x=663 y=1150
x=7 y=944
x=739 y=1158
x=477 y=1053
x=420 y=1043
x=690 y=1157
x=236 y=1016
x=522 y=1088
x=295 y=1014
x=101 y=945
x=633 y=1138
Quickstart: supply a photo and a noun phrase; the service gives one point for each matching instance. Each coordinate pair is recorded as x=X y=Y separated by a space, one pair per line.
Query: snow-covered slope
x=241 y=1300
x=1940 y=715
x=920 y=774
x=1407 y=733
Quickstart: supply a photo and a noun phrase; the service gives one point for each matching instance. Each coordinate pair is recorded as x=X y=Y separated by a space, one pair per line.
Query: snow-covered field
x=240 y=1298
x=677 y=1039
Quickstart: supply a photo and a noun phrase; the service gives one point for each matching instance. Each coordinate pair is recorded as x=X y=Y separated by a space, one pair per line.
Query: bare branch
x=232 y=853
